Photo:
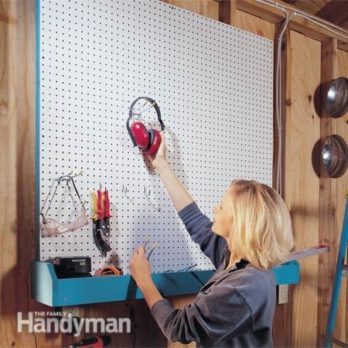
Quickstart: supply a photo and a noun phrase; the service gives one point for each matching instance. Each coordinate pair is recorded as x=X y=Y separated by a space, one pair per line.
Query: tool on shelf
x=109 y=270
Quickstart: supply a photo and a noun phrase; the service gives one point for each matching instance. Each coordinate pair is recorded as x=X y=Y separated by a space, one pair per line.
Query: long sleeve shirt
x=235 y=308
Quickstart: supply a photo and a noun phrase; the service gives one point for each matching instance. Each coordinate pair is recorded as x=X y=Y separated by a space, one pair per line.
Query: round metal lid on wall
x=334 y=155
x=337 y=97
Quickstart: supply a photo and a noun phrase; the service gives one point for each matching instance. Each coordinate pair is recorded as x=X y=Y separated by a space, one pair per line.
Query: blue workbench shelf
x=55 y=292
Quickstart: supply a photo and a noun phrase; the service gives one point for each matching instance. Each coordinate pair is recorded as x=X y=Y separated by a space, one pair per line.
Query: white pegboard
x=213 y=84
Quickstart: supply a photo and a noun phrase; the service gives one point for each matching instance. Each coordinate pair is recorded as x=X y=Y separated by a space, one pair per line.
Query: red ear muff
x=147 y=141
x=141 y=135
x=155 y=142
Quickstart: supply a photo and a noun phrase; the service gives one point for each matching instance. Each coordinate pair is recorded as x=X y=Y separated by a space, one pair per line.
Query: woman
x=250 y=234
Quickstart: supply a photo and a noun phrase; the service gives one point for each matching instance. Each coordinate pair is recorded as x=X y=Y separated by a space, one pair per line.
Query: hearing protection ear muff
x=148 y=141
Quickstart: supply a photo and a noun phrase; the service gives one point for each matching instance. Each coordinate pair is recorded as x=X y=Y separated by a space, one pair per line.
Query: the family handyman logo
x=46 y=322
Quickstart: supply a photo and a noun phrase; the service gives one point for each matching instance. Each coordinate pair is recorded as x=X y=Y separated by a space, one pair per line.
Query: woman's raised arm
x=176 y=190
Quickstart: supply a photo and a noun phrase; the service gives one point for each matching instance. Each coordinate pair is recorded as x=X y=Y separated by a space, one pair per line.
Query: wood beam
x=302 y=127
x=328 y=228
x=282 y=323
x=233 y=12
x=297 y=23
x=225 y=11
x=341 y=327
x=228 y=11
x=336 y=11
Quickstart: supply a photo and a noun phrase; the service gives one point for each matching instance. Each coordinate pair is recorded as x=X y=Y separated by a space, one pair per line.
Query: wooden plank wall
x=17 y=195
x=341 y=331
x=302 y=129
x=17 y=91
x=328 y=187
x=298 y=324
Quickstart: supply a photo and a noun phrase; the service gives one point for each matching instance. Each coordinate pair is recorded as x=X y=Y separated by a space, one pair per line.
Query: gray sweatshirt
x=234 y=308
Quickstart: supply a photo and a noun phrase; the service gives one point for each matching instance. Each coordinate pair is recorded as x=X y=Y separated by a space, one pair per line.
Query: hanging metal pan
x=334 y=155
x=337 y=97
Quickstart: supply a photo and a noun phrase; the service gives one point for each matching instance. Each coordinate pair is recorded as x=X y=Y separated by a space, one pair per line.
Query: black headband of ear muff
x=130 y=115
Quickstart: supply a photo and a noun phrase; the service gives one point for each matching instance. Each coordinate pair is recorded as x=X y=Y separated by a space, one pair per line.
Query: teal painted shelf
x=55 y=292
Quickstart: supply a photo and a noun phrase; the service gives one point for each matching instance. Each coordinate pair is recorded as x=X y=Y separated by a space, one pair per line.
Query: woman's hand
x=160 y=158
x=140 y=268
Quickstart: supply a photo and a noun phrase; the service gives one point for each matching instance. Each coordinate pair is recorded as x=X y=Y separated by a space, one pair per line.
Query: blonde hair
x=261 y=229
